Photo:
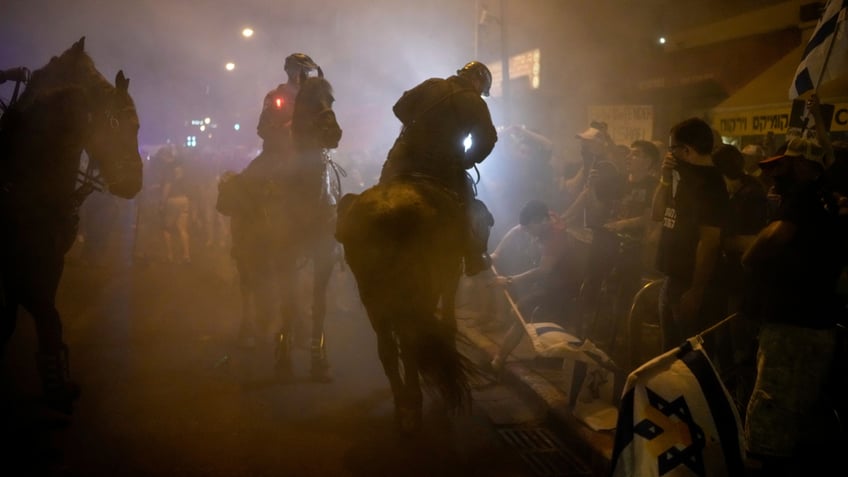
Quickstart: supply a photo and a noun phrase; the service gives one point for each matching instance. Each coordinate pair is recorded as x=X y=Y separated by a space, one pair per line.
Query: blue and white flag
x=677 y=418
x=826 y=55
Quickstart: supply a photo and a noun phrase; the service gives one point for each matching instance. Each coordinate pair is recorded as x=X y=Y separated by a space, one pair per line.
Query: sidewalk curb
x=594 y=445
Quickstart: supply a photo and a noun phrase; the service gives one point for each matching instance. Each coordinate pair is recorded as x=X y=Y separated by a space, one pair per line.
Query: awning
x=763 y=105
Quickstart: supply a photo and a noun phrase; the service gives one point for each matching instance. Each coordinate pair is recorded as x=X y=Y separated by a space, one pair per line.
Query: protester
x=691 y=202
x=796 y=263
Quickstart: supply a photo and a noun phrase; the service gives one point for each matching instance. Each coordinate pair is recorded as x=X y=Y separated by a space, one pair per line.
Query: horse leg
x=410 y=407
x=322 y=271
x=247 y=325
x=387 y=350
x=286 y=281
x=52 y=357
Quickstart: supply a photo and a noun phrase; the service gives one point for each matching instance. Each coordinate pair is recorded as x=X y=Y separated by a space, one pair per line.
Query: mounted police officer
x=278 y=105
x=438 y=116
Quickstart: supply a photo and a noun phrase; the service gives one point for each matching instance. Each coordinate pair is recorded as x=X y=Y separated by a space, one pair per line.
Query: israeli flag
x=826 y=55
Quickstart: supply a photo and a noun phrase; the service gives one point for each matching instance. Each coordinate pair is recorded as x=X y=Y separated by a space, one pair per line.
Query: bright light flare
x=247 y=32
x=230 y=66
x=661 y=40
x=467 y=142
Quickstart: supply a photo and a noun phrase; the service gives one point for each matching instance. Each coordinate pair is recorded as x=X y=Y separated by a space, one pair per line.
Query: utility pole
x=505 y=68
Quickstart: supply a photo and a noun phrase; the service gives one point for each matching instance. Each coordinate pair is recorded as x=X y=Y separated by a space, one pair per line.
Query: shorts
x=787 y=406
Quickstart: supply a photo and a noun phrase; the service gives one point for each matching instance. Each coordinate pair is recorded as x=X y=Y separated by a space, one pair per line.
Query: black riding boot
x=320 y=364
x=59 y=391
x=480 y=222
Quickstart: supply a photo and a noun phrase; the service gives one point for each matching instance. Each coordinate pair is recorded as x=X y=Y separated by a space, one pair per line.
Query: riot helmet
x=298 y=65
x=479 y=72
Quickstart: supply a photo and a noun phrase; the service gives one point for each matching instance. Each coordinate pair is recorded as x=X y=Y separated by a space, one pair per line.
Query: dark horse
x=68 y=107
x=403 y=243
x=311 y=198
x=282 y=209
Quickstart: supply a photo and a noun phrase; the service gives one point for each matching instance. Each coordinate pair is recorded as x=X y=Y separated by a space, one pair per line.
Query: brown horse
x=403 y=242
x=68 y=107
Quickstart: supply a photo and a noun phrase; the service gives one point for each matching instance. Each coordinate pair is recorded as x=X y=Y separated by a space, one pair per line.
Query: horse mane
x=74 y=68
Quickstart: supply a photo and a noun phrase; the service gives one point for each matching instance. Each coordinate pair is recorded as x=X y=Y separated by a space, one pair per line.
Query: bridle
x=90 y=179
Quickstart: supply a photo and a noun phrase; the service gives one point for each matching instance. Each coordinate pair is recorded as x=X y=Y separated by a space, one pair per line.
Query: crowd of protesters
x=748 y=244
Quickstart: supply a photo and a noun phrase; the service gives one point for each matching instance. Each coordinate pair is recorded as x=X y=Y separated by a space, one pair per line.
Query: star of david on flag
x=677 y=418
x=826 y=55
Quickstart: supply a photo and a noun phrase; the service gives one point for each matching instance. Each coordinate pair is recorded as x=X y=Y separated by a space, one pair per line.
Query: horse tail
x=444 y=370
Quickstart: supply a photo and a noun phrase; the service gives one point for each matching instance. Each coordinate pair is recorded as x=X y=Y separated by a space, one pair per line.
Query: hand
x=669 y=163
x=813 y=104
x=502 y=281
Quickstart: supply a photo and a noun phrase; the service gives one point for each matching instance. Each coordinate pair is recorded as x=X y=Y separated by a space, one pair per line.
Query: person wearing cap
x=796 y=262
x=439 y=115
x=278 y=105
x=595 y=145
x=691 y=203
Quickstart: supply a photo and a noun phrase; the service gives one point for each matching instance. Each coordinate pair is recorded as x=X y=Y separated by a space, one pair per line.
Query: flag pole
x=511 y=301
x=829 y=50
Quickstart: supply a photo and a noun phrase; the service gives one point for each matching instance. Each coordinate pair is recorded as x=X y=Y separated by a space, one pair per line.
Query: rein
x=20 y=76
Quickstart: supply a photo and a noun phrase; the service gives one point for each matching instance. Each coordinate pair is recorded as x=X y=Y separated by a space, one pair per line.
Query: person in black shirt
x=438 y=116
x=691 y=202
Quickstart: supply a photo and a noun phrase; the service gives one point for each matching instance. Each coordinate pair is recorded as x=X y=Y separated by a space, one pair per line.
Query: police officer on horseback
x=438 y=117
x=278 y=105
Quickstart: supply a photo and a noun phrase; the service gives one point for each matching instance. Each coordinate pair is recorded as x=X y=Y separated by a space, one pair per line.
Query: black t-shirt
x=637 y=197
x=698 y=198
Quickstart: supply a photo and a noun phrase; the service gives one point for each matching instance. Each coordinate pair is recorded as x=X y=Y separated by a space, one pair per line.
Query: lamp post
x=505 y=92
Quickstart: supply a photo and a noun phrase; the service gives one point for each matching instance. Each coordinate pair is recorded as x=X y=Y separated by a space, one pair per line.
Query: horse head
x=113 y=139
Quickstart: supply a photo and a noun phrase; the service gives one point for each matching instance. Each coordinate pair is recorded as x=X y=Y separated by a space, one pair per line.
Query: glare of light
x=467 y=142
x=661 y=40
x=236 y=126
x=230 y=66
x=202 y=127
x=247 y=32
x=207 y=120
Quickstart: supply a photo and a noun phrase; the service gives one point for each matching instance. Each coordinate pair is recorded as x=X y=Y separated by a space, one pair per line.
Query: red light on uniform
x=279 y=102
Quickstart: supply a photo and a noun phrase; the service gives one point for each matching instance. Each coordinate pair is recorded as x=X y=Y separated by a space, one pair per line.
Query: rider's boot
x=320 y=364
x=282 y=355
x=59 y=391
x=479 y=223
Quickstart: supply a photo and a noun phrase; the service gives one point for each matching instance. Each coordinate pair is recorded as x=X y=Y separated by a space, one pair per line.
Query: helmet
x=478 y=70
x=298 y=63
